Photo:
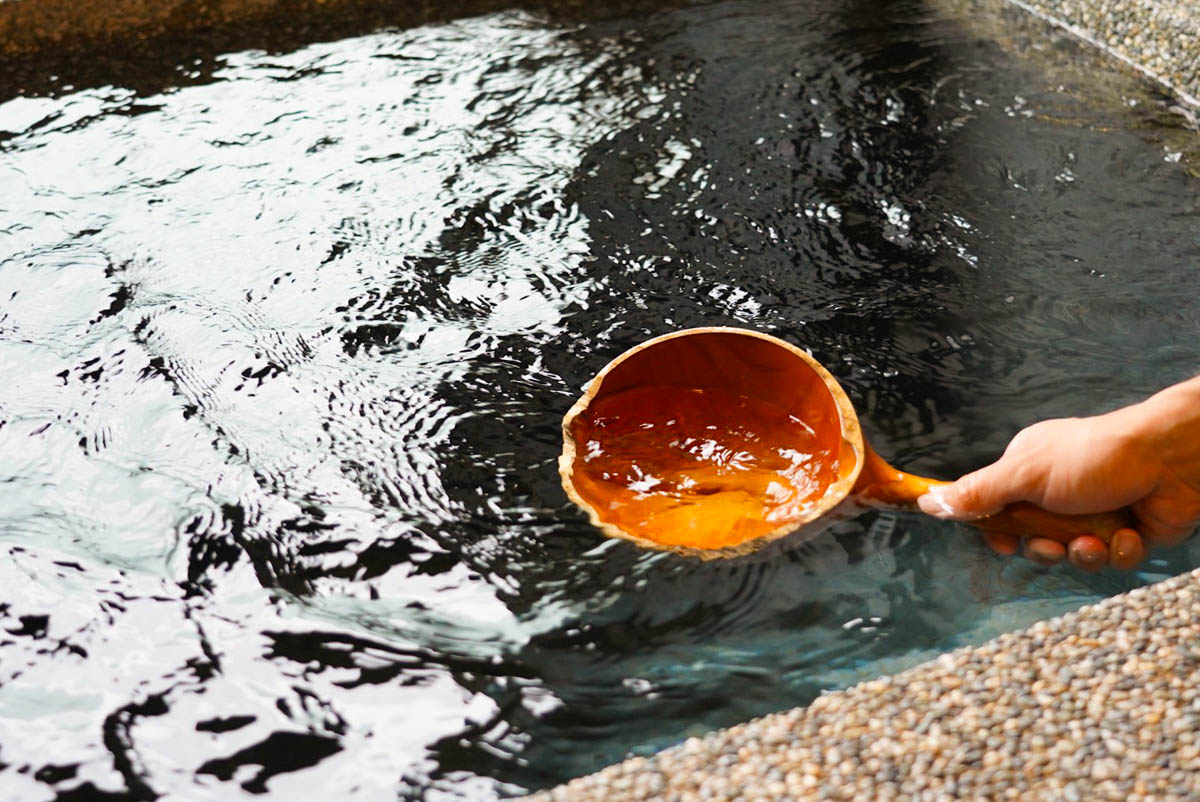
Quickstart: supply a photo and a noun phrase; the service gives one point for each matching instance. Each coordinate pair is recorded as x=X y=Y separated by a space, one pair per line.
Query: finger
x=1044 y=551
x=984 y=492
x=1087 y=553
x=1002 y=543
x=1126 y=550
x=1159 y=522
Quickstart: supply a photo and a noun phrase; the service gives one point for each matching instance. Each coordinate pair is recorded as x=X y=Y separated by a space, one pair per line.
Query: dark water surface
x=286 y=345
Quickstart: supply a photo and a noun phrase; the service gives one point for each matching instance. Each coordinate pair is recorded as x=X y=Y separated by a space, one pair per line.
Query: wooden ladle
x=714 y=442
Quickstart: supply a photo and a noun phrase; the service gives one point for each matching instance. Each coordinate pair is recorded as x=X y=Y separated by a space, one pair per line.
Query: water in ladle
x=704 y=468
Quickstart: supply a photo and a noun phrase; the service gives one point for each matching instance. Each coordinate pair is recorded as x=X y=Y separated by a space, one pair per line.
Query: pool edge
x=1160 y=38
x=1099 y=703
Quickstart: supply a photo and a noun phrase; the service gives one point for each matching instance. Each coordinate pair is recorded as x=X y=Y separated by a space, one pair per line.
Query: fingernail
x=932 y=503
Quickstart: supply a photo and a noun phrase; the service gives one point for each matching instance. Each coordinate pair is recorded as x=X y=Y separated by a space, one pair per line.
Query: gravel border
x=1159 y=37
x=1099 y=704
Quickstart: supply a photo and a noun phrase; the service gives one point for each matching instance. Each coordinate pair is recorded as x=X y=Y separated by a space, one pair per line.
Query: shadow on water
x=295 y=335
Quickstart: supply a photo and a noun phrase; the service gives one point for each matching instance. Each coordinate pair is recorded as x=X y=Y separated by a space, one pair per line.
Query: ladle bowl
x=714 y=442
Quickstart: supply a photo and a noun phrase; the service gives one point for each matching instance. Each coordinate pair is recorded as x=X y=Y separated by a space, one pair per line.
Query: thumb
x=984 y=492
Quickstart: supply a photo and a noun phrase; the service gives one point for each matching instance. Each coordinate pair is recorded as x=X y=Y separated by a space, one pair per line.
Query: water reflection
x=289 y=348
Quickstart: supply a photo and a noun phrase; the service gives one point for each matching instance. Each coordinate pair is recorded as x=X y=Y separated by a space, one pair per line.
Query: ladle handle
x=880 y=484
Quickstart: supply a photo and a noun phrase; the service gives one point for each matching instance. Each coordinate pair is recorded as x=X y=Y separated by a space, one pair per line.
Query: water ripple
x=290 y=343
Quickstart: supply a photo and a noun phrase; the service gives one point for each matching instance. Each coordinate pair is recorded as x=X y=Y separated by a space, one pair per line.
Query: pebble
x=1107 y=715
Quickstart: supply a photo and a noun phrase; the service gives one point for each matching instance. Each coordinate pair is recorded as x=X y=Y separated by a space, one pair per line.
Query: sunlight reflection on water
x=288 y=351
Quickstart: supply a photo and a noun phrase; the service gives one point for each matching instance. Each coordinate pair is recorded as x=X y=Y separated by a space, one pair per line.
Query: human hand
x=1145 y=457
